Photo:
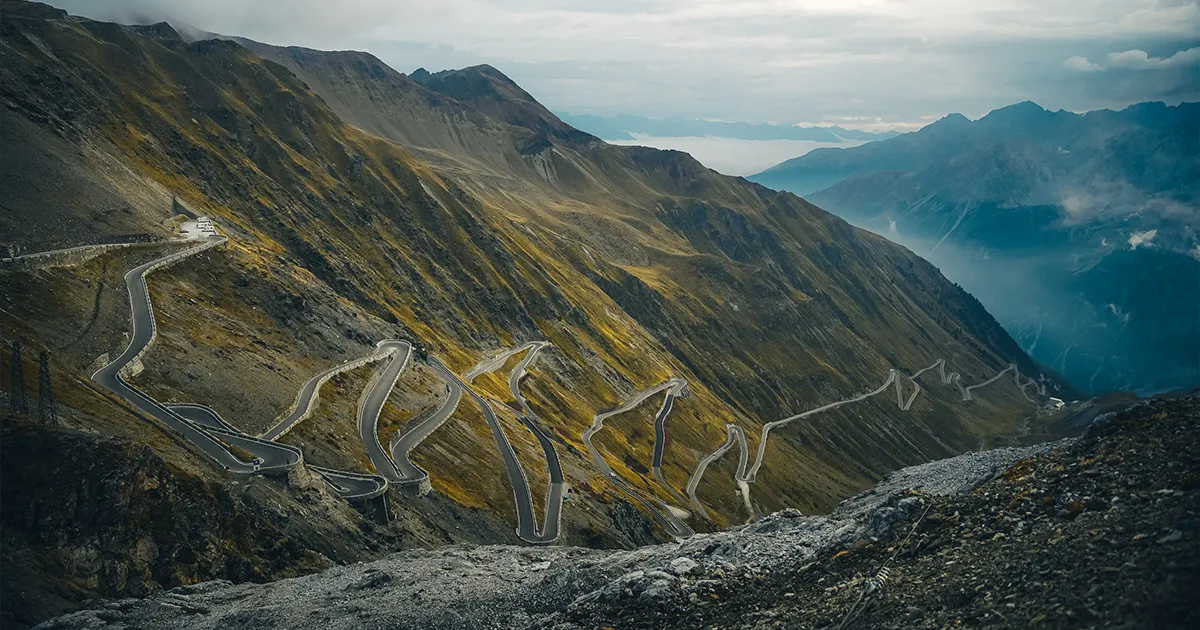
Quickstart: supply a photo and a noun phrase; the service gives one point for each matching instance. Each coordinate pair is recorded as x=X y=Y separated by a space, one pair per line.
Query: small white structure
x=200 y=228
x=1055 y=404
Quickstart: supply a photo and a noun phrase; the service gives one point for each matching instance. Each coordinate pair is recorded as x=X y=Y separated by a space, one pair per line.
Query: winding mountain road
x=405 y=442
x=527 y=528
x=215 y=437
x=556 y=491
x=660 y=436
x=142 y=335
x=372 y=405
x=199 y=424
x=666 y=516
x=746 y=476
x=270 y=454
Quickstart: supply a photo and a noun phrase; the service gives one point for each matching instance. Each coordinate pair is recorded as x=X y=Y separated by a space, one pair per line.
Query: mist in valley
x=1118 y=317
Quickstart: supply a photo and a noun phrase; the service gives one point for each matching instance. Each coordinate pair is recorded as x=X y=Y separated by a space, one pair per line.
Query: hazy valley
x=1078 y=232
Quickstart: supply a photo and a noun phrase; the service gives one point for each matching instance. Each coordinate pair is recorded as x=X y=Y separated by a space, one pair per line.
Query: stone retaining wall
x=127 y=371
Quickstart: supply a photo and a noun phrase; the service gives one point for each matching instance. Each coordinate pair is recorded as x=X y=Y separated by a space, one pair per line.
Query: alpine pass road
x=745 y=477
x=201 y=425
x=143 y=333
x=667 y=516
x=215 y=437
x=404 y=443
x=306 y=399
x=556 y=491
x=368 y=413
x=679 y=390
x=526 y=522
x=349 y=485
x=527 y=528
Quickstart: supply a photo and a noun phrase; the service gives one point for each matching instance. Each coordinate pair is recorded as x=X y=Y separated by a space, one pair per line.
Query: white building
x=1055 y=404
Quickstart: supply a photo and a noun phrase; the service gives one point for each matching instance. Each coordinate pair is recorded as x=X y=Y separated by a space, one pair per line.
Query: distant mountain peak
x=950 y=121
x=1028 y=106
x=1019 y=113
x=161 y=31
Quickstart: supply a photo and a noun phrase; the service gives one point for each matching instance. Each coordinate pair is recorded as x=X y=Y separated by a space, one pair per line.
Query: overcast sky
x=868 y=64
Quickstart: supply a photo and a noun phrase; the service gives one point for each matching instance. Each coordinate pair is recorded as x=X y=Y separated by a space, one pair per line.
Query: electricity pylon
x=47 y=412
x=17 y=401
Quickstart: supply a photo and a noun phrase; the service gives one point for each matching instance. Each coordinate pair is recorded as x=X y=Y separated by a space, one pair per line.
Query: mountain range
x=625 y=126
x=1078 y=231
x=453 y=212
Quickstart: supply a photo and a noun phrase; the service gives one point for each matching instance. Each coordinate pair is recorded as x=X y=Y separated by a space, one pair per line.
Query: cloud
x=1164 y=16
x=1140 y=60
x=1081 y=64
x=750 y=60
x=1142 y=239
x=1108 y=198
x=1136 y=60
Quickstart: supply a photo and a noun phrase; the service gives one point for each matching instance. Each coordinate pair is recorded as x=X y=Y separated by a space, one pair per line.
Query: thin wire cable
x=876 y=582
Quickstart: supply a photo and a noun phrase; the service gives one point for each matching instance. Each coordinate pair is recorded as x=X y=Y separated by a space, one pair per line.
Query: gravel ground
x=1101 y=532
x=506 y=587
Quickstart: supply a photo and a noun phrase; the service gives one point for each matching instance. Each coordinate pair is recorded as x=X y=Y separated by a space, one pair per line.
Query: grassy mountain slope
x=459 y=213
x=640 y=258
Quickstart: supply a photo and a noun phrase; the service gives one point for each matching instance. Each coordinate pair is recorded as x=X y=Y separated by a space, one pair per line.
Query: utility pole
x=17 y=401
x=47 y=412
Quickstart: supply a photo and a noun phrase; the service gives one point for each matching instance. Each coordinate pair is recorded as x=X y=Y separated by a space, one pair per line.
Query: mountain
x=1078 y=231
x=453 y=213
x=623 y=126
x=1004 y=527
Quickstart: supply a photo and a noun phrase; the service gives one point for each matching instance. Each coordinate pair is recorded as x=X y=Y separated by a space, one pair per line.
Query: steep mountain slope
x=1082 y=533
x=474 y=220
x=612 y=183
x=1054 y=220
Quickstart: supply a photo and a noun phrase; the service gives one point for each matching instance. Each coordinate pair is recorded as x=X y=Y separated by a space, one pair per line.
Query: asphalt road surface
x=661 y=512
x=211 y=434
x=368 y=414
x=109 y=376
x=308 y=395
x=199 y=424
x=526 y=522
x=403 y=446
x=556 y=491
x=348 y=485
x=746 y=476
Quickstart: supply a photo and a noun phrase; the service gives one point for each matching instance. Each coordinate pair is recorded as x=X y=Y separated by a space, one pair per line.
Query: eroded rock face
x=110 y=518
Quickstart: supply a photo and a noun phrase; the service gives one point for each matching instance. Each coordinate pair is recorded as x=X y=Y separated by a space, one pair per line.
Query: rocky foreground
x=1096 y=532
